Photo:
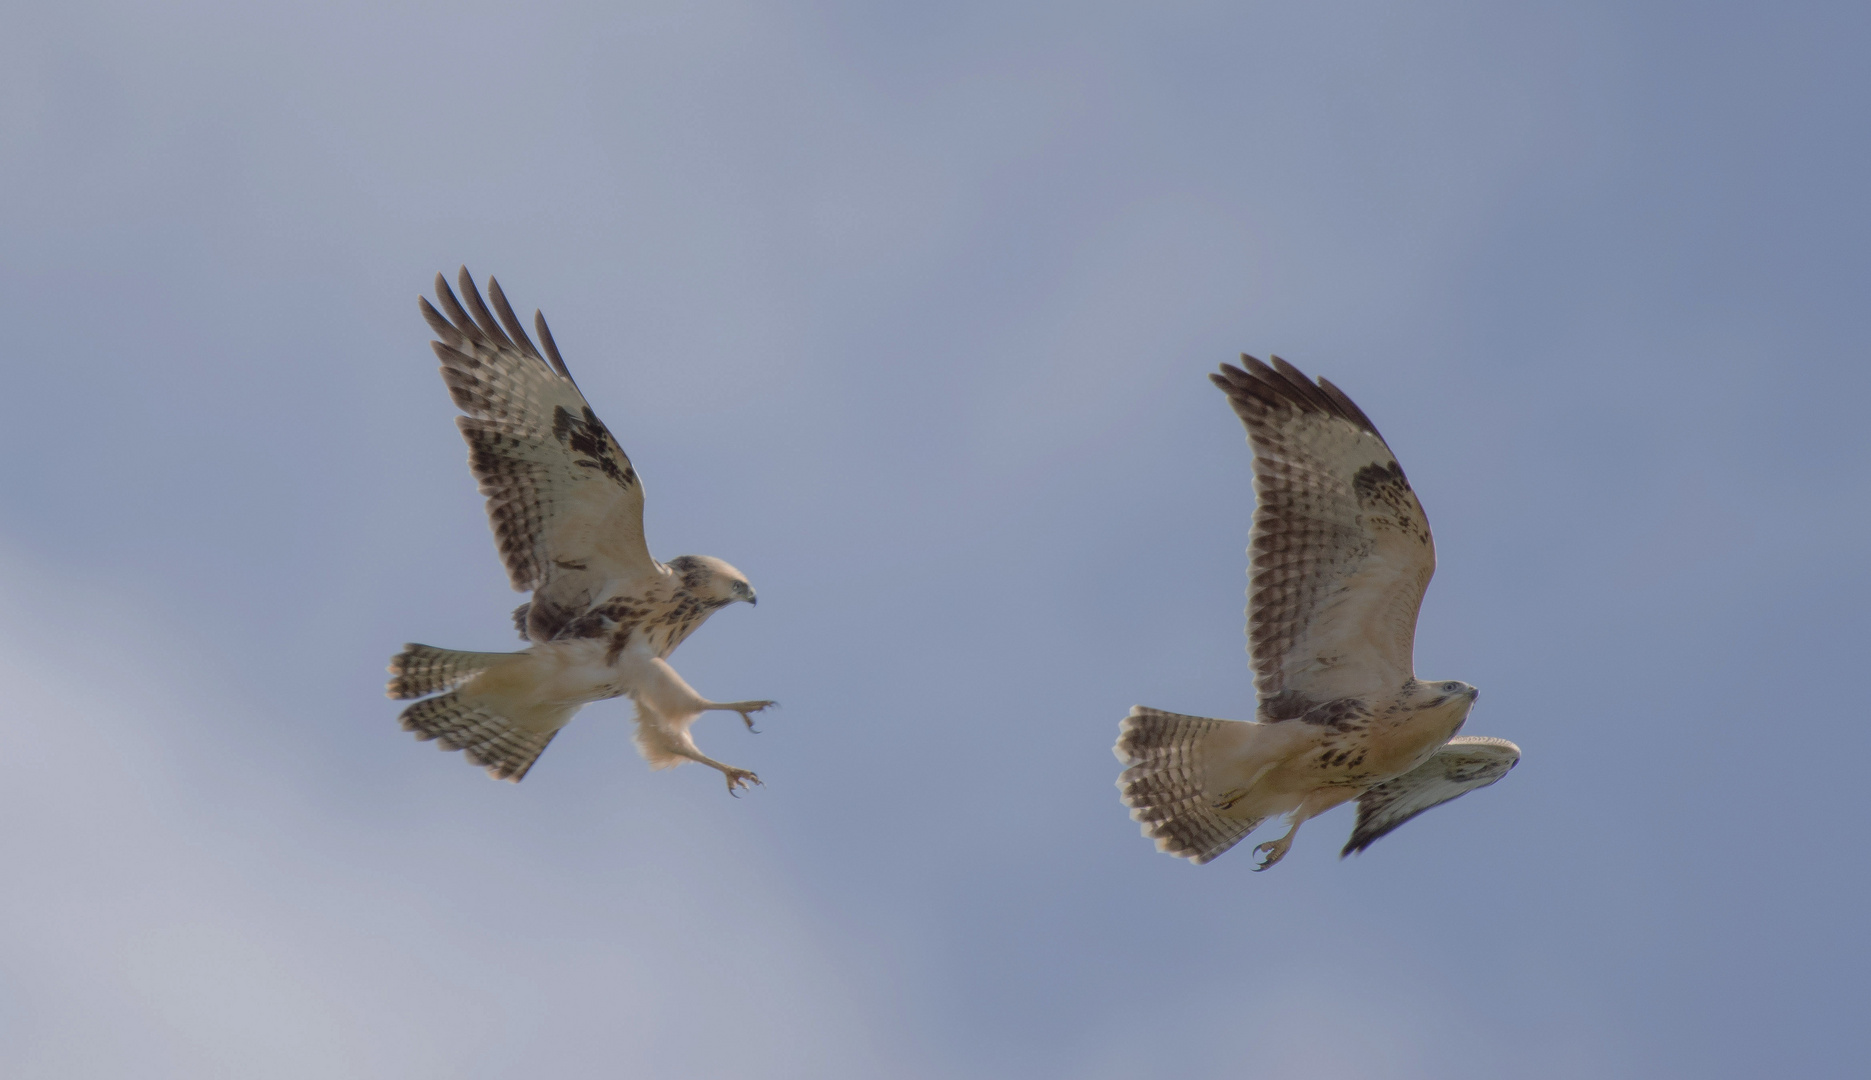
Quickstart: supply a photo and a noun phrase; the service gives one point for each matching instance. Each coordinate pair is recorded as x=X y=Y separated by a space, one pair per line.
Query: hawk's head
x=1452 y=696
x=712 y=579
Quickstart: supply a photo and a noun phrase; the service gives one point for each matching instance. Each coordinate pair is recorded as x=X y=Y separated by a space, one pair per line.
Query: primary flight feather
x=1340 y=555
x=566 y=508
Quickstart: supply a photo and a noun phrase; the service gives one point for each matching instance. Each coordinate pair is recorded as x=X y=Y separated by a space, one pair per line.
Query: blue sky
x=906 y=312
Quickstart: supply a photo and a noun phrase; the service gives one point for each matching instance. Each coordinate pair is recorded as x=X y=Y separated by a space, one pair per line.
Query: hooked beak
x=753 y=600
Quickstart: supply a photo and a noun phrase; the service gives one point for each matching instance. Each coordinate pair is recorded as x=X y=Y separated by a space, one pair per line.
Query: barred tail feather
x=421 y=670
x=1163 y=785
x=487 y=739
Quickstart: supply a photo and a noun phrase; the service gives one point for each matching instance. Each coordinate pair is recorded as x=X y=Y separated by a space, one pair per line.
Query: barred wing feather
x=1340 y=550
x=565 y=503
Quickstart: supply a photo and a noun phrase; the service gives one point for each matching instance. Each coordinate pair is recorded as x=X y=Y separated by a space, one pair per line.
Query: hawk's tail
x=486 y=738
x=421 y=670
x=1164 y=784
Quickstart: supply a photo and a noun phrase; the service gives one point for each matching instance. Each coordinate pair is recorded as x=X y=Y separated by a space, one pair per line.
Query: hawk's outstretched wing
x=1340 y=550
x=1461 y=766
x=565 y=504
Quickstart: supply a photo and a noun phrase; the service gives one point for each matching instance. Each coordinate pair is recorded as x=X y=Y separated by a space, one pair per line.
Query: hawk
x=1340 y=555
x=566 y=507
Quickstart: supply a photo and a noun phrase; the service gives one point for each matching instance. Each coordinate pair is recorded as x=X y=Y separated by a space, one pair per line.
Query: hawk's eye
x=1451 y=686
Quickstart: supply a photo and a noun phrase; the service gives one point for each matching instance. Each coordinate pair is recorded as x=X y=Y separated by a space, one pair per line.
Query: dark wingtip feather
x=1253 y=367
x=1360 y=840
x=1248 y=386
x=1280 y=384
x=515 y=331
x=478 y=307
x=552 y=347
x=451 y=307
x=1297 y=381
x=1363 y=836
x=1349 y=407
x=442 y=327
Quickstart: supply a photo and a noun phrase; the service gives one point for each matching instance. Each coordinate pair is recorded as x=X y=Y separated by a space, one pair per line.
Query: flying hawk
x=567 y=511
x=1340 y=554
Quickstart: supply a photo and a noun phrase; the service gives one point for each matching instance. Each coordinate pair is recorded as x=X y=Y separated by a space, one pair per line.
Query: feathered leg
x=666 y=706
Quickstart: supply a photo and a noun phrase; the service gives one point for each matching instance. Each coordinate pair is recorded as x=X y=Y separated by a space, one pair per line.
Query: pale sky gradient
x=906 y=311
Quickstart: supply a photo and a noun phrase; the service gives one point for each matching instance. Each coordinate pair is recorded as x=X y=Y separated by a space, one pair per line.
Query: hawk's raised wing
x=565 y=504
x=1340 y=551
x=1461 y=766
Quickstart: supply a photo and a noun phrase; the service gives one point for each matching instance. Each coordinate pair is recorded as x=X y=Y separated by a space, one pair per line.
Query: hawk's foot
x=739 y=778
x=747 y=709
x=1272 y=852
